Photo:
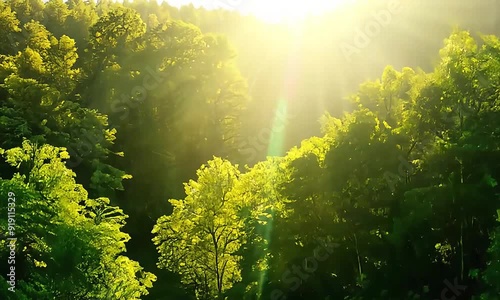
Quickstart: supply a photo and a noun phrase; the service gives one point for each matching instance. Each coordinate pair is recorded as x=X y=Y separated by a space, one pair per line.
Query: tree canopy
x=155 y=152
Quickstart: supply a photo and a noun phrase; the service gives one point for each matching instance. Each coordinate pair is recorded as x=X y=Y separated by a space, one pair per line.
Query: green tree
x=73 y=246
x=201 y=237
x=9 y=26
x=55 y=13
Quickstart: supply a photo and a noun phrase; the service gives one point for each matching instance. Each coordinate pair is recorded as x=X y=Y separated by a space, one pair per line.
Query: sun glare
x=283 y=11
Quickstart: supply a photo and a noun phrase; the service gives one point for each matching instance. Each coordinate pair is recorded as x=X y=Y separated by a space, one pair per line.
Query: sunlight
x=282 y=11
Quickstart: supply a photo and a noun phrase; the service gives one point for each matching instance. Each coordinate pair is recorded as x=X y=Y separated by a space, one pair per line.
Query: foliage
x=396 y=198
x=72 y=247
x=200 y=238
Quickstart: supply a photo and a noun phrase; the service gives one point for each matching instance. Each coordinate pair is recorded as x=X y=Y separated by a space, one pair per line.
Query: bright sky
x=270 y=10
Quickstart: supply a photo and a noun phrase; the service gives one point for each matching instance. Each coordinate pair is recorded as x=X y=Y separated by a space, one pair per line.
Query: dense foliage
x=106 y=109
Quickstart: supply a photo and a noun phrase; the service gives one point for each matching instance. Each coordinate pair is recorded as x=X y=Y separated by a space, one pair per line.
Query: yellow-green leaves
x=73 y=245
x=204 y=232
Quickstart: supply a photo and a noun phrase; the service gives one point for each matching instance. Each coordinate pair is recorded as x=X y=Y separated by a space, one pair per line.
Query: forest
x=154 y=151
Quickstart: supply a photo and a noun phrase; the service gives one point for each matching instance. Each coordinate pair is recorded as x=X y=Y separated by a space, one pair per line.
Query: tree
x=73 y=246
x=9 y=26
x=27 y=10
x=55 y=13
x=40 y=105
x=199 y=240
x=491 y=273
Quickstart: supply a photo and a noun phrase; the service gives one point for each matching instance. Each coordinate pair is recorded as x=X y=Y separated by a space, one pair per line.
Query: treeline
x=138 y=105
x=106 y=109
x=398 y=199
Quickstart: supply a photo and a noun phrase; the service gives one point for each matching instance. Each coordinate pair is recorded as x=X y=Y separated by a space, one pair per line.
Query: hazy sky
x=270 y=10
